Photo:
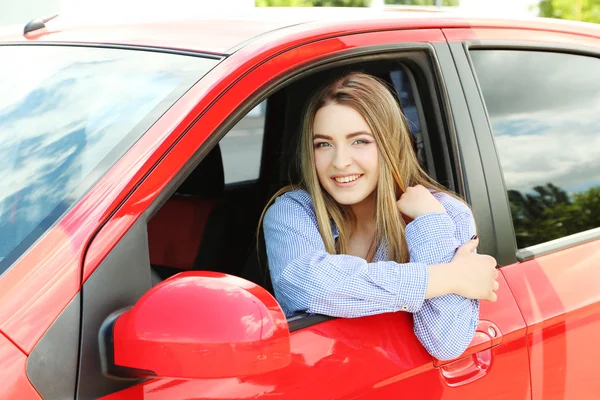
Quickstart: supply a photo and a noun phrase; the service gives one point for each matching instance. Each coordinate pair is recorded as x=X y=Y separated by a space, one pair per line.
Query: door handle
x=475 y=362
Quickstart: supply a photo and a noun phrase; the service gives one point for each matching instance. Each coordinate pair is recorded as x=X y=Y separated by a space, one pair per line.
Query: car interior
x=209 y=225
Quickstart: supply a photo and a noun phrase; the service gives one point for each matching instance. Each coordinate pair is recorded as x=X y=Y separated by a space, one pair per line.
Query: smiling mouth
x=347 y=179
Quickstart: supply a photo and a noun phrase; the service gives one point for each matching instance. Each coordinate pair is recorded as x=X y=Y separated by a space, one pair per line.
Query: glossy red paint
x=15 y=384
x=559 y=295
x=327 y=358
x=112 y=188
x=233 y=97
x=328 y=361
x=166 y=332
x=52 y=268
x=476 y=361
x=487 y=335
x=38 y=287
x=197 y=33
x=504 y=314
x=258 y=24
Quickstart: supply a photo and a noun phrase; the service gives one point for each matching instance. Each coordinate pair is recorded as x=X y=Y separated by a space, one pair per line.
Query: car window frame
x=445 y=73
x=438 y=58
x=508 y=251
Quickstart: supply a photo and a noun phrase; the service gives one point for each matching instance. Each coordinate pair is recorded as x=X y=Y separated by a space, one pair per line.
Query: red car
x=135 y=161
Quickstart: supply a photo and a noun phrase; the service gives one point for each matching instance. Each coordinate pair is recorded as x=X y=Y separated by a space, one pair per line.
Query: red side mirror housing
x=201 y=324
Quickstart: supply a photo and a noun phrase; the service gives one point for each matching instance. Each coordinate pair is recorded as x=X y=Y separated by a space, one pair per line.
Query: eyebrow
x=348 y=136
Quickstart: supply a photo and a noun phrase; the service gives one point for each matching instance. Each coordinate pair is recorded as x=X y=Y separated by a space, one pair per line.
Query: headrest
x=207 y=180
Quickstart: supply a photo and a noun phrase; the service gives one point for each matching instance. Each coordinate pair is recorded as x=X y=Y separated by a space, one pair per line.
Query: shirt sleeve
x=307 y=278
x=445 y=325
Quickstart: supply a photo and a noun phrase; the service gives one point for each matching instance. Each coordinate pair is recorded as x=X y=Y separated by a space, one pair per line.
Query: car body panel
x=25 y=318
x=329 y=358
x=337 y=359
x=197 y=33
x=559 y=295
x=52 y=267
x=233 y=98
x=305 y=377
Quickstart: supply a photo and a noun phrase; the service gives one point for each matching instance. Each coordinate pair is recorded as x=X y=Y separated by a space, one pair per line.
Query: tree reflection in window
x=549 y=213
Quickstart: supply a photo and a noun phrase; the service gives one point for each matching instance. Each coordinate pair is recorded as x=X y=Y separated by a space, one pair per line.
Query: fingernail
x=474 y=237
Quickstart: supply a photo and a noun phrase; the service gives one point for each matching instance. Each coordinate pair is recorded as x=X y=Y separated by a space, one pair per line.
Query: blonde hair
x=399 y=166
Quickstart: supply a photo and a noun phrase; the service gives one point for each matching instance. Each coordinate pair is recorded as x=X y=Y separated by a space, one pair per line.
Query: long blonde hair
x=399 y=166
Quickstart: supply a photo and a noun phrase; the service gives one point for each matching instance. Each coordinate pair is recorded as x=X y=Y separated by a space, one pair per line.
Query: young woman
x=368 y=231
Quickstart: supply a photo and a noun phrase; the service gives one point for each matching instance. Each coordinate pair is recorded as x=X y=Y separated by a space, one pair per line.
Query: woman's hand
x=474 y=275
x=469 y=275
x=418 y=200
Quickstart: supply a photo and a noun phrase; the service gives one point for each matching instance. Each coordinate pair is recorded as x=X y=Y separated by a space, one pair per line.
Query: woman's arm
x=307 y=278
x=445 y=325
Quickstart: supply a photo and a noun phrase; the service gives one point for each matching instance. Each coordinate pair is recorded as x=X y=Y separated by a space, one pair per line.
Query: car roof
x=223 y=33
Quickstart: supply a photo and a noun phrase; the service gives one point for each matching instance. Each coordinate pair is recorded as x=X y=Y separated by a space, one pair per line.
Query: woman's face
x=346 y=155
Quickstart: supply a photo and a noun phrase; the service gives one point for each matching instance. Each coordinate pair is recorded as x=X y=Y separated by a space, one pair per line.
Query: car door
x=372 y=357
x=539 y=135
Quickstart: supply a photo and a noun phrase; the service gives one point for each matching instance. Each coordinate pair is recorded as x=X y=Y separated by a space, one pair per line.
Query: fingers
x=493 y=296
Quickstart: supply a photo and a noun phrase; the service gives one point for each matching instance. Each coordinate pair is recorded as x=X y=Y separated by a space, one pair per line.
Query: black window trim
x=470 y=166
x=166 y=50
x=510 y=253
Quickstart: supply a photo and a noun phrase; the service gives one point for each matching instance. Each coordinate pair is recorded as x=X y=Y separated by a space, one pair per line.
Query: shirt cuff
x=411 y=297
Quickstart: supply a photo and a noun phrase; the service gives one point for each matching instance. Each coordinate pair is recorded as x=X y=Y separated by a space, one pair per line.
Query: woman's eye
x=322 y=144
x=360 y=141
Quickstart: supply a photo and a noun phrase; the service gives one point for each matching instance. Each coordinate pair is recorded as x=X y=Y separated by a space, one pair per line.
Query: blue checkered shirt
x=307 y=278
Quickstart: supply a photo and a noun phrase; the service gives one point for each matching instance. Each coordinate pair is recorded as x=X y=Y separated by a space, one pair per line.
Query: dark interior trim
x=118 y=282
x=305 y=320
x=107 y=351
x=52 y=364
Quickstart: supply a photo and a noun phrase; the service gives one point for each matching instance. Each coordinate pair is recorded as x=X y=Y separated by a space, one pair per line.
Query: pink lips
x=346 y=184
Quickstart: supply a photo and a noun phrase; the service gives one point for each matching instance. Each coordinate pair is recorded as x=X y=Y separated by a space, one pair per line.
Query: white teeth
x=346 y=179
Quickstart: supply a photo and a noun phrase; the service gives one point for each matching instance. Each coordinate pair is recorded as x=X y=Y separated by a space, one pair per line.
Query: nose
x=342 y=158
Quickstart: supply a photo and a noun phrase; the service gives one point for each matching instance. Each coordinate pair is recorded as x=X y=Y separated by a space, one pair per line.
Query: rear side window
x=66 y=115
x=241 y=148
x=545 y=113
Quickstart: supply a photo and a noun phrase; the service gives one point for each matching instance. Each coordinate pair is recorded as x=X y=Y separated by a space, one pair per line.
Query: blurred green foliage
x=550 y=213
x=346 y=3
x=578 y=10
x=312 y=3
x=423 y=2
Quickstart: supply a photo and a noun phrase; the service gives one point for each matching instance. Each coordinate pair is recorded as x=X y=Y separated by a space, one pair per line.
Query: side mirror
x=197 y=324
